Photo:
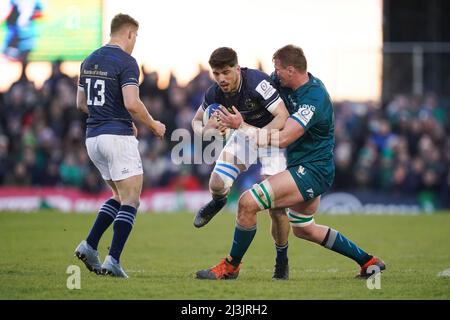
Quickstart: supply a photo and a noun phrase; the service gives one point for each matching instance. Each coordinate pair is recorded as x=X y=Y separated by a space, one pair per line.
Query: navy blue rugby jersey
x=103 y=74
x=254 y=98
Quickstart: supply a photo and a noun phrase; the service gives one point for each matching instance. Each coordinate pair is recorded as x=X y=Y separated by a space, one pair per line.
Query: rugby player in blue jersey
x=108 y=92
x=308 y=136
x=252 y=93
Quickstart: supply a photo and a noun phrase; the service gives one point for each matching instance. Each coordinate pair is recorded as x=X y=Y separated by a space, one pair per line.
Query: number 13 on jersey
x=99 y=96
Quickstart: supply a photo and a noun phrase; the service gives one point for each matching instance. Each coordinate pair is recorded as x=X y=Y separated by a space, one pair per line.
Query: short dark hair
x=223 y=57
x=291 y=55
x=121 y=20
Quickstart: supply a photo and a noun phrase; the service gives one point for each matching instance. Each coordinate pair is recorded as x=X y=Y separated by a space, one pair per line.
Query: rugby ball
x=209 y=112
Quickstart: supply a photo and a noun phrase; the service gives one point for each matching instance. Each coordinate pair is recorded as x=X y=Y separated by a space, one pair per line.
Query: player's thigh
x=124 y=164
x=312 y=181
x=239 y=150
x=123 y=156
x=307 y=207
x=285 y=190
x=97 y=157
x=277 y=191
x=273 y=160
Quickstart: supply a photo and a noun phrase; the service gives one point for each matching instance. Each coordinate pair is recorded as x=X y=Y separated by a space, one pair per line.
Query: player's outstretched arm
x=138 y=110
x=81 y=100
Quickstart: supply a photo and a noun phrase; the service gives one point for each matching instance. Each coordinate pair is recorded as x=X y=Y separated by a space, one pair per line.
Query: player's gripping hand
x=213 y=122
x=230 y=120
x=158 y=128
x=222 y=130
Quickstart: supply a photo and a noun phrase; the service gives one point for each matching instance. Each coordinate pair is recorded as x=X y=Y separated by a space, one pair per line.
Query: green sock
x=337 y=242
x=242 y=239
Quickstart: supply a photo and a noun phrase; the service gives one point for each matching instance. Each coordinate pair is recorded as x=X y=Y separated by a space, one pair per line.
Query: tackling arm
x=235 y=120
x=292 y=131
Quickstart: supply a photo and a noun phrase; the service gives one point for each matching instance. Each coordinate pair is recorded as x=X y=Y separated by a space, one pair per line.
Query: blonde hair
x=291 y=55
x=121 y=20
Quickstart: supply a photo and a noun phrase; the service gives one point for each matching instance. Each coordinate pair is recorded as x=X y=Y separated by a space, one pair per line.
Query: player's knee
x=223 y=177
x=298 y=232
x=217 y=185
x=247 y=210
x=263 y=195
x=303 y=232
x=246 y=205
x=131 y=201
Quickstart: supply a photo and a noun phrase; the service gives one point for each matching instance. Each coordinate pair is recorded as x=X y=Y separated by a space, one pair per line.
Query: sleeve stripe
x=298 y=120
x=130 y=84
x=273 y=105
x=275 y=97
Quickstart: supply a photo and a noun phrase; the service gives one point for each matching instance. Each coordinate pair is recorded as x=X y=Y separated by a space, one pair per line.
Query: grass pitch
x=164 y=251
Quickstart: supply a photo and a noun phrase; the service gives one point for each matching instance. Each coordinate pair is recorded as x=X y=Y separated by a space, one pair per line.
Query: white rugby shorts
x=246 y=151
x=115 y=156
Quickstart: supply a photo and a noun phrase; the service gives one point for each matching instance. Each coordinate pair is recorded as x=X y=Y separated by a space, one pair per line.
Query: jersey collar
x=113 y=46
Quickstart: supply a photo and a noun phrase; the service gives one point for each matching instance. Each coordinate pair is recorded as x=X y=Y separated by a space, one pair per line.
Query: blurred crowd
x=401 y=147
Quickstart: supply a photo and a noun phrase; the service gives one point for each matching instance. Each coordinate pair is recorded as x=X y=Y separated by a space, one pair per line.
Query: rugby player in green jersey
x=308 y=136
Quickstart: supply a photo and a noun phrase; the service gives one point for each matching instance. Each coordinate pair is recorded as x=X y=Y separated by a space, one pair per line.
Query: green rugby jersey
x=310 y=105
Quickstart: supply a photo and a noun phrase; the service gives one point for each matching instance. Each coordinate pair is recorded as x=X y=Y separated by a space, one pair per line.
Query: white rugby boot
x=89 y=256
x=111 y=267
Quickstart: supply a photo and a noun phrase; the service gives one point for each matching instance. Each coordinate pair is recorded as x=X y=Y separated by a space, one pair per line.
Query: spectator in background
x=4 y=159
x=19 y=176
x=56 y=78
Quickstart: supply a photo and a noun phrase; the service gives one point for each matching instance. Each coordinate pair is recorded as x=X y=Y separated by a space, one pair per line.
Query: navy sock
x=243 y=237
x=337 y=242
x=105 y=217
x=282 y=252
x=122 y=227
